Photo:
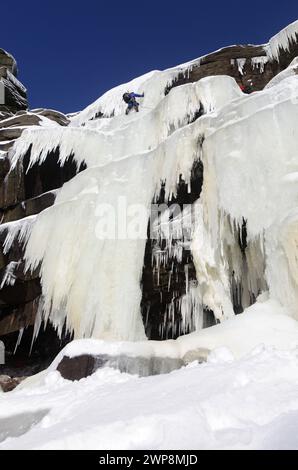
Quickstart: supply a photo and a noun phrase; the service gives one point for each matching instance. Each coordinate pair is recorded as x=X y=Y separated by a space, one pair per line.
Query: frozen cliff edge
x=247 y=145
x=241 y=224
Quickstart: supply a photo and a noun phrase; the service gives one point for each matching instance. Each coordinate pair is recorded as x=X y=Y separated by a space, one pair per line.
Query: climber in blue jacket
x=130 y=99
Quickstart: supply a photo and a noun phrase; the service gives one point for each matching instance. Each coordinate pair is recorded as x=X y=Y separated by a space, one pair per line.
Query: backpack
x=126 y=97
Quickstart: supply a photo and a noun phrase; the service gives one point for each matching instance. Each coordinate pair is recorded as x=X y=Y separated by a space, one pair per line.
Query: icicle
x=282 y=41
x=259 y=62
x=20 y=230
x=9 y=277
x=170 y=276
x=240 y=64
x=21 y=331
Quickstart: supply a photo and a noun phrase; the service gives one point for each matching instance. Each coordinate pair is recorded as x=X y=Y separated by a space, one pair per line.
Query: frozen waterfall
x=90 y=245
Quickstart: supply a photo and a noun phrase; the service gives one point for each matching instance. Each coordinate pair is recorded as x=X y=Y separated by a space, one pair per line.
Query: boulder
x=76 y=368
x=7 y=384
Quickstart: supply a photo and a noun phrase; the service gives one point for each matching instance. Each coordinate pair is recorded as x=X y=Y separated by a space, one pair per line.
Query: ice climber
x=248 y=87
x=130 y=99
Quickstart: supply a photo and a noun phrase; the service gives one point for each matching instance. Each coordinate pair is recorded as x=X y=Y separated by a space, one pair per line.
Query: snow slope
x=245 y=403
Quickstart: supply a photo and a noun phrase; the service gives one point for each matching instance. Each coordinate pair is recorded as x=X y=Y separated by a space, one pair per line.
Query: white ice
x=259 y=62
x=247 y=144
x=282 y=40
x=81 y=281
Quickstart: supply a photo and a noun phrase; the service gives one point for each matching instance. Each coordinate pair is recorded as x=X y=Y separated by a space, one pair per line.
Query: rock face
x=243 y=63
x=164 y=285
x=13 y=95
x=24 y=194
x=8 y=61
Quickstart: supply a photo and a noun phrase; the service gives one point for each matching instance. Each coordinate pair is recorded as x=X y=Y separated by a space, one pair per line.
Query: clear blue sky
x=69 y=53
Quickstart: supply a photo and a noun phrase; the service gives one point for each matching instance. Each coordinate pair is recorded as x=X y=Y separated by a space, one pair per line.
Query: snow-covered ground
x=244 y=397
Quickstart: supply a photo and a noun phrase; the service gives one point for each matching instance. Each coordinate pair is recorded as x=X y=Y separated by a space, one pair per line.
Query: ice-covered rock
x=154 y=155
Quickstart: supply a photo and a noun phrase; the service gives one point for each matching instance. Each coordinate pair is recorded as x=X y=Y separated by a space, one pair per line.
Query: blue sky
x=69 y=53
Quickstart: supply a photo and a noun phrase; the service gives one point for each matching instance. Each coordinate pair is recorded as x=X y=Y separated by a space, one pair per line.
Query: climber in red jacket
x=248 y=87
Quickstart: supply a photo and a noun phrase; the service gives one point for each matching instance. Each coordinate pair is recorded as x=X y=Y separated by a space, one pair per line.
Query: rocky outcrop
x=245 y=64
x=23 y=193
x=13 y=94
x=8 y=61
x=53 y=115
